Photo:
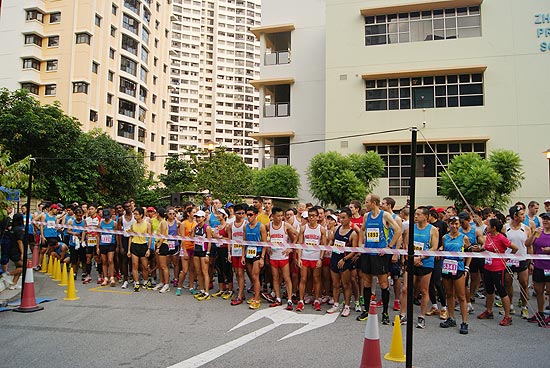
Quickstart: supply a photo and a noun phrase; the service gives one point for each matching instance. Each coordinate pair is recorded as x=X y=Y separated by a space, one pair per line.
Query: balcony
x=276 y=58
x=277 y=109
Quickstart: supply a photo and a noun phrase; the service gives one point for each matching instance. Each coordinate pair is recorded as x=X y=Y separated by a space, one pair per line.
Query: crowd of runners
x=115 y=241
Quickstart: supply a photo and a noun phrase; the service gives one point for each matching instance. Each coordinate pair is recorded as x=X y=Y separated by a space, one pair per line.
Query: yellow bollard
x=57 y=272
x=64 y=277
x=71 y=291
x=50 y=266
x=396 y=348
x=44 y=266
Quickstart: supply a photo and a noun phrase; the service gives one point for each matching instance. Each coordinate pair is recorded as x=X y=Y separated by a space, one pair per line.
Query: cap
x=440 y=210
x=545 y=215
x=151 y=209
x=200 y=213
x=207 y=195
x=305 y=214
x=229 y=204
x=55 y=207
x=547 y=200
x=333 y=216
x=514 y=210
x=222 y=211
x=463 y=215
x=60 y=205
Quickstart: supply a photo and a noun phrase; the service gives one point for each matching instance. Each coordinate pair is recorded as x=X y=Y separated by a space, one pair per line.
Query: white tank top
x=517 y=237
x=126 y=225
x=312 y=237
x=237 y=233
x=278 y=236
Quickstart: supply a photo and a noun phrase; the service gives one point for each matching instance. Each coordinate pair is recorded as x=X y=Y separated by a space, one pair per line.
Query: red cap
x=54 y=207
x=440 y=210
x=151 y=209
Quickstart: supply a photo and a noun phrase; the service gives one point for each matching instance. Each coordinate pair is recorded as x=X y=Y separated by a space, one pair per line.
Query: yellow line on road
x=102 y=289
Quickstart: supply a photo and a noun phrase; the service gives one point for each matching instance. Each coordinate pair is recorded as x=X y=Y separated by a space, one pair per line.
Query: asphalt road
x=148 y=329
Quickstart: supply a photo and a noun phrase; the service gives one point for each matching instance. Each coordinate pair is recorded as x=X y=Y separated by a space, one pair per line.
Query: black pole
x=410 y=251
x=27 y=224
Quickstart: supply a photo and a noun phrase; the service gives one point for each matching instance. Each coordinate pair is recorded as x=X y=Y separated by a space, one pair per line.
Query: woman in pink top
x=493 y=276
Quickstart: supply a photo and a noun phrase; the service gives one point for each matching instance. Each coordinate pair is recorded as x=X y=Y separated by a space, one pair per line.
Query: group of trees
x=75 y=166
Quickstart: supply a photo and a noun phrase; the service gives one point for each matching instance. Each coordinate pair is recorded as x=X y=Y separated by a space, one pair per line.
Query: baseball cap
x=333 y=216
x=55 y=207
x=545 y=214
x=514 y=210
x=222 y=211
x=547 y=200
x=151 y=209
x=440 y=210
x=229 y=204
x=463 y=215
x=200 y=213
x=305 y=214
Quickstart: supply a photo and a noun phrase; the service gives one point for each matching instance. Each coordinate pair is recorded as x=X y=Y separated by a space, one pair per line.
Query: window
x=97 y=20
x=277 y=48
x=128 y=65
x=133 y=5
x=127 y=86
x=31 y=63
x=153 y=118
x=424 y=92
x=153 y=137
x=109 y=99
x=80 y=87
x=126 y=130
x=141 y=135
x=35 y=15
x=83 y=38
x=146 y=16
x=31 y=39
x=142 y=113
x=55 y=17
x=156 y=43
x=110 y=75
x=31 y=87
x=429 y=25
x=53 y=41
x=143 y=75
x=152 y=156
x=114 y=9
x=145 y=36
x=127 y=108
x=113 y=31
x=155 y=80
x=95 y=67
x=108 y=121
x=397 y=159
x=93 y=115
x=277 y=101
x=130 y=45
x=162 y=140
x=143 y=94
x=144 y=55
x=112 y=53
x=51 y=65
x=130 y=23
x=154 y=99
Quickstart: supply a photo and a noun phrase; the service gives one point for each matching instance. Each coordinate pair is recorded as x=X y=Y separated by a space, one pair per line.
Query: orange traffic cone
x=396 y=348
x=44 y=266
x=57 y=270
x=28 y=300
x=50 y=266
x=35 y=256
x=64 y=279
x=71 y=291
x=371 y=346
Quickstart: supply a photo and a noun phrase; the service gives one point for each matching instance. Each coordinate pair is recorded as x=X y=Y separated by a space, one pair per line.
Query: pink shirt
x=496 y=244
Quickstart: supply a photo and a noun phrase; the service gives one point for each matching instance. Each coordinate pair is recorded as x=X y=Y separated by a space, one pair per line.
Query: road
x=148 y=329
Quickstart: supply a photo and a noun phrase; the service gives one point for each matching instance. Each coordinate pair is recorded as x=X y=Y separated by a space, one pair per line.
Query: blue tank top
x=375 y=236
x=536 y=221
x=49 y=230
x=59 y=249
x=422 y=242
x=213 y=220
x=341 y=241
x=253 y=234
x=78 y=231
x=455 y=245
x=105 y=238
x=31 y=228
x=470 y=234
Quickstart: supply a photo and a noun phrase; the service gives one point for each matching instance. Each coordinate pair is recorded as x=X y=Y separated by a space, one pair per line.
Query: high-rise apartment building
x=105 y=61
x=213 y=57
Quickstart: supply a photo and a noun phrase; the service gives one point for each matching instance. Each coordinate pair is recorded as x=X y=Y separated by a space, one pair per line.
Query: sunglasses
x=239 y=213
x=250 y=214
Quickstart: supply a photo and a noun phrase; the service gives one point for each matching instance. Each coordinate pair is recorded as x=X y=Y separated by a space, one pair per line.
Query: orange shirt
x=188 y=227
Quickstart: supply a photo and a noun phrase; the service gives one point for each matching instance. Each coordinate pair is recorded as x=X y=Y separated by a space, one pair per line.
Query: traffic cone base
x=28 y=300
x=396 y=348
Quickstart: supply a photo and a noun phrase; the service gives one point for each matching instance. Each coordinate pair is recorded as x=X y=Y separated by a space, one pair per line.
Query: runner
x=341 y=262
x=454 y=270
x=107 y=247
x=173 y=245
x=236 y=233
x=62 y=253
x=477 y=239
x=14 y=251
x=281 y=232
x=388 y=204
x=187 y=251
x=49 y=232
x=76 y=241
x=140 y=246
x=310 y=260
x=92 y=241
x=254 y=256
x=495 y=268
x=223 y=262
x=163 y=251
x=373 y=235
x=326 y=277
x=201 y=254
x=356 y=221
x=436 y=284
x=531 y=218
x=125 y=222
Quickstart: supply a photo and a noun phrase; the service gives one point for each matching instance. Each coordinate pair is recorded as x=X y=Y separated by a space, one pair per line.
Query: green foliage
x=276 y=181
x=336 y=179
x=12 y=176
x=179 y=175
x=508 y=164
x=150 y=194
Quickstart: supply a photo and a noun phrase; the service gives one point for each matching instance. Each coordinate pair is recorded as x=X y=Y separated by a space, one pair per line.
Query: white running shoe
x=158 y=286
x=333 y=309
x=124 y=285
x=165 y=288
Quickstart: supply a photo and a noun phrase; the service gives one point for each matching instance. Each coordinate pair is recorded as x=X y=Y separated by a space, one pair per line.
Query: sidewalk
x=7 y=295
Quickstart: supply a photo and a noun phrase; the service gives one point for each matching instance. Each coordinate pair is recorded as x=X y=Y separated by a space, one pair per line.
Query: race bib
x=488 y=261
x=92 y=241
x=106 y=238
x=310 y=243
x=251 y=252
x=546 y=273
x=418 y=245
x=373 y=235
x=450 y=267
x=50 y=224
x=339 y=244
x=182 y=252
x=237 y=250
x=171 y=244
x=512 y=263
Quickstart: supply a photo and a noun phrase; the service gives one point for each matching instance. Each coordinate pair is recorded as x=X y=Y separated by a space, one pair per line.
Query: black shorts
x=252 y=260
x=395 y=270
x=335 y=258
x=477 y=265
x=375 y=264
x=104 y=249
x=200 y=253
x=422 y=271
x=494 y=280
x=75 y=254
x=164 y=251
x=139 y=250
x=90 y=250
x=11 y=254
x=522 y=266
x=125 y=242
x=448 y=276
x=538 y=275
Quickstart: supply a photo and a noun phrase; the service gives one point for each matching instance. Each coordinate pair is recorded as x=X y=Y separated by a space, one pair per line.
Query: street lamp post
x=210 y=147
x=547 y=152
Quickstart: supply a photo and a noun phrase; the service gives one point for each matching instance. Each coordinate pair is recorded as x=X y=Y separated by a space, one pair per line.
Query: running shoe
x=363 y=316
x=175 y=282
x=433 y=311
x=421 y=323
x=203 y=297
x=536 y=318
x=112 y=282
x=104 y=282
x=379 y=303
x=308 y=299
x=345 y=311
x=178 y=291
x=236 y=301
x=193 y=291
x=164 y=289
x=479 y=295
x=199 y=294
x=276 y=303
x=449 y=322
x=334 y=309
x=385 y=319
x=99 y=280
x=506 y=321
x=255 y=305
x=294 y=298
x=498 y=303
x=149 y=285
x=358 y=307
x=545 y=322
x=289 y=305
x=486 y=315
x=324 y=300
x=463 y=328
x=317 y=306
x=124 y=285
x=444 y=314
x=470 y=309
x=402 y=320
x=83 y=276
x=300 y=306
x=520 y=303
x=87 y=280
x=361 y=300
x=330 y=301
x=158 y=286
x=218 y=293
x=227 y=294
x=267 y=296
x=524 y=313
x=396 y=305
x=136 y=286
x=249 y=301
x=373 y=298
x=37 y=268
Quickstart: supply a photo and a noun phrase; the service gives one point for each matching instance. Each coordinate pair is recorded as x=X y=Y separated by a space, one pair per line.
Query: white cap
x=333 y=216
x=305 y=214
x=547 y=201
x=200 y=213
x=222 y=211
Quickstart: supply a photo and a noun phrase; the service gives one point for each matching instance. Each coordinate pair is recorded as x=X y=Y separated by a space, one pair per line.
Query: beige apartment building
x=105 y=61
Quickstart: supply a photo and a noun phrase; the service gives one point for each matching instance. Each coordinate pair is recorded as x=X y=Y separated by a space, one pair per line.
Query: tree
x=225 y=175
x=336 y=179
x=508 y=164
x=276 y=181
x=179 y=175
x=150 y=194
x=12 y=176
